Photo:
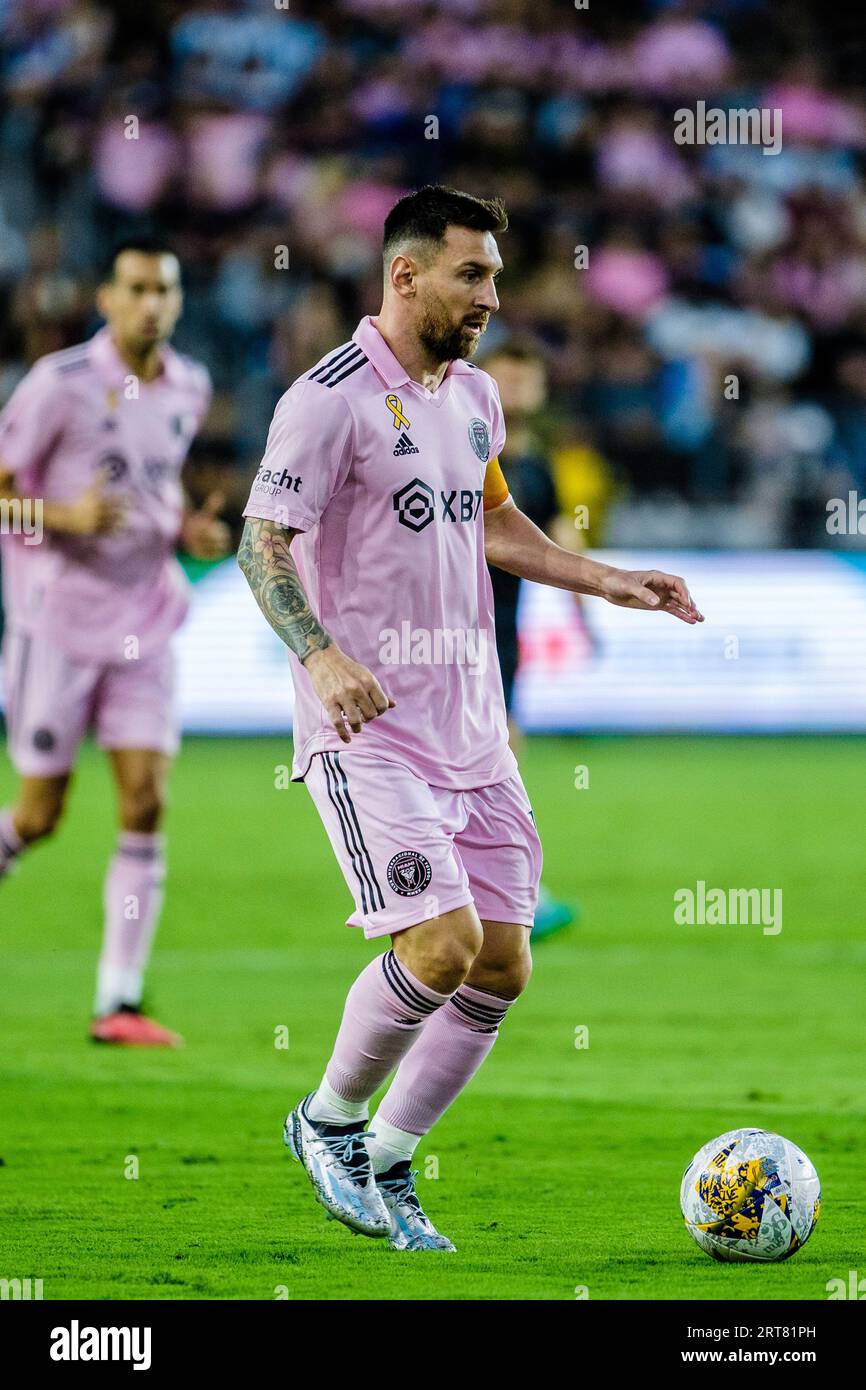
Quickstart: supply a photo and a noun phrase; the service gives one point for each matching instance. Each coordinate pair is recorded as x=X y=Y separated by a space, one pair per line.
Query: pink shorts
x=52 y=701
x=410 y=851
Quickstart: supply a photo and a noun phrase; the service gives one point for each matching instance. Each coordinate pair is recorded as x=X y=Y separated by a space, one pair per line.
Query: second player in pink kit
x=377 y=505
x=97 y=435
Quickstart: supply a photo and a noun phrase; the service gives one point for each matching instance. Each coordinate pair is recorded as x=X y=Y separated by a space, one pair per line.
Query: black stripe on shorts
x=338 y=793
x=378 y=900
x=16 y=692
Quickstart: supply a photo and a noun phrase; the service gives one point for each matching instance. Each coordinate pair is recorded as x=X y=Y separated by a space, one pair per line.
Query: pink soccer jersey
x=388 y=483
x=74 y=414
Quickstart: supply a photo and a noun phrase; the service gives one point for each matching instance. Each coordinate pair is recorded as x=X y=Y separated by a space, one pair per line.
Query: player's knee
x=441 y=952
x=457 y=947
x=442 y=966
x=447 y=964
x=142 y=806
x=516 y=977
x=506 y=976
x=39 y=819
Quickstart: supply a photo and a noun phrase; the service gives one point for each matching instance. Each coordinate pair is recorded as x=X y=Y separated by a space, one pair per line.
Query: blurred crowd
x=706 y=353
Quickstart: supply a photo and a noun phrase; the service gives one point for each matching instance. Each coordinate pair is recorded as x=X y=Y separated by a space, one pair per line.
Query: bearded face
x=448 y=335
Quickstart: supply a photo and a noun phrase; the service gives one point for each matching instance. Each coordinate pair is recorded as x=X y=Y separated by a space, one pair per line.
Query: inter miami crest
x=115 y=464
x=409 y=873
x=479 y=439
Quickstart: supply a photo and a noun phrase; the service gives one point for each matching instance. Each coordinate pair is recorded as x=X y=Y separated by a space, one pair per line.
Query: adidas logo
x=404 y=445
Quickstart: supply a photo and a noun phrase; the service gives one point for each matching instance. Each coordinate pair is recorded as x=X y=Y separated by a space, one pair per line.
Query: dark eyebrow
x=479 y=265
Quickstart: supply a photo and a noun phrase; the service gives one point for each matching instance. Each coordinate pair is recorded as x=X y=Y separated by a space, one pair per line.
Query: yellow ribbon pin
x=395 y=405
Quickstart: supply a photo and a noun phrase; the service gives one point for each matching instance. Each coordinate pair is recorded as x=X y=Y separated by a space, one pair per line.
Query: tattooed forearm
x=271 y=573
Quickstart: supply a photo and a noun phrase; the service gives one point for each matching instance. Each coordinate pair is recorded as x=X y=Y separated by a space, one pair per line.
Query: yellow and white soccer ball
x=750 y=1195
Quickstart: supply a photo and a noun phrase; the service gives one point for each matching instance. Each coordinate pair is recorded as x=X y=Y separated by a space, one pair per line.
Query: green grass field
x=558 y=1167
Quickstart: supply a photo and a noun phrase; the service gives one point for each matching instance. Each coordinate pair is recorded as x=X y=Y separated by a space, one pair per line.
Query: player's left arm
x=514 y=543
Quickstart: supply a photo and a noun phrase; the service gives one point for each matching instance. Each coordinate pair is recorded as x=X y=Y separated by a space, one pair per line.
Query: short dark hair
x=427 y=214
x=147 y=245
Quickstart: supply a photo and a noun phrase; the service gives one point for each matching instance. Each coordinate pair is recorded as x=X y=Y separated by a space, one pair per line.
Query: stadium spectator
x=299 y=128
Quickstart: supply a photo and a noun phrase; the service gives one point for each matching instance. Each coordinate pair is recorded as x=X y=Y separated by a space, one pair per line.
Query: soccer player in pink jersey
x=93 y=440
x=378 y=498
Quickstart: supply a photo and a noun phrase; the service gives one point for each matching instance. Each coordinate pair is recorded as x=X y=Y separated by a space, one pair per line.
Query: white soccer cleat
x=338 y=1165
x=411 y=1227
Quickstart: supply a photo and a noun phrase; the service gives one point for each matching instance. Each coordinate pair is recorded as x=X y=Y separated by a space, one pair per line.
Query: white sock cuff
x=116 y=985
x=389 y=1145
x=328 y=1106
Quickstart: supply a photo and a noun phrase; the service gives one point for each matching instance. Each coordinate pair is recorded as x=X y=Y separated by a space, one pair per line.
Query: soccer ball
x=750 y=1195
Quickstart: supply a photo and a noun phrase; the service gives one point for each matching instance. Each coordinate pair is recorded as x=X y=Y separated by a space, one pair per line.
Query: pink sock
x=386 y=1009
x=133 y=901
x=444 y=1059
x=11 y=843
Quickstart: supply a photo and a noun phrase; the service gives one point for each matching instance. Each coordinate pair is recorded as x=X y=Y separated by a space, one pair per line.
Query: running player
x=96 y=437
x=368 y=523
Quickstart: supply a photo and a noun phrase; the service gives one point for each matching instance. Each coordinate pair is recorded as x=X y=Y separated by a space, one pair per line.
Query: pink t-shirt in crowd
x=74 y=414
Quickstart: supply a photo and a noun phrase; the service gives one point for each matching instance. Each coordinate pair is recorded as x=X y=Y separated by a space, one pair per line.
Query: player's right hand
x=349 y=692
x=96 y=511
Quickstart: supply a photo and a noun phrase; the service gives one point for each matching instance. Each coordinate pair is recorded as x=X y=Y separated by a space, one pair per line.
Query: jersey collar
x=377 y=351
x=114 y=370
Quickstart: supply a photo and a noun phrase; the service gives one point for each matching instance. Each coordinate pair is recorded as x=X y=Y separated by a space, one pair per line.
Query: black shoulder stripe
x=355 y=366
x=78 y=365
x=341 y=356
x=65 y=354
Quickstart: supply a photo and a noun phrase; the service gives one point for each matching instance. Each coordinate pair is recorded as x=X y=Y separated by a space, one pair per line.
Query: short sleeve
x=30 y=424
x=307 y=457
x=497 y=441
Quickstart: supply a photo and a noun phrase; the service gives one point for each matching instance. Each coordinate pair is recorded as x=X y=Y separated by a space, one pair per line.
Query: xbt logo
x=416 y=505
